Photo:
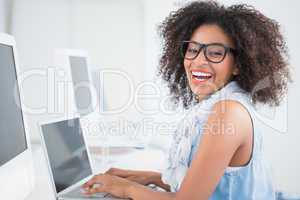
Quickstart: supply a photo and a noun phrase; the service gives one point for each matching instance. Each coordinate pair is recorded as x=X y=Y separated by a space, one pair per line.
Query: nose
x=200 y=59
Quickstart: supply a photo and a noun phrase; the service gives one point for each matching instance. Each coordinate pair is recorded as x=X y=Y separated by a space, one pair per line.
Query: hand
x=113 y=185
x=141 y=177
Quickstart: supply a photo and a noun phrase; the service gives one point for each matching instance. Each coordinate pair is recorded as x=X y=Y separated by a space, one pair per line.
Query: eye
x=215 y=53
x=192 y=50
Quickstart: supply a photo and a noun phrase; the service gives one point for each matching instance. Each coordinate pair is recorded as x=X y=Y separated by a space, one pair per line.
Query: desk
x=127 y=158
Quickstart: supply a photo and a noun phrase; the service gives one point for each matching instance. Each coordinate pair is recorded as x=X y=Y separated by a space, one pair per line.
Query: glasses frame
x=204 y=47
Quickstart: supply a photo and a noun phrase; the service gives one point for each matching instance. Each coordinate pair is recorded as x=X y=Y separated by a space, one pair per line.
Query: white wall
x=42 y=25
x=5 y=15
x=2 y=16
x=111 y=31
x=39 y=26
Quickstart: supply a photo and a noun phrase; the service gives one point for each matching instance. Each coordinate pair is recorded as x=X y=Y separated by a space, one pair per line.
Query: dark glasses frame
x=183 y=50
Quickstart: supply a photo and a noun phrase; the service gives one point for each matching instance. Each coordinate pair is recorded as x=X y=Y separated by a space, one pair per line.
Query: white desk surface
x=126 y=158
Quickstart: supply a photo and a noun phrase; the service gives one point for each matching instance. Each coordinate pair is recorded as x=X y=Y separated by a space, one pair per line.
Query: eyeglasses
x=213 y=52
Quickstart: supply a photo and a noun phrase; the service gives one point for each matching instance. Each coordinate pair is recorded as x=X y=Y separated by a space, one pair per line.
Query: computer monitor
x=16 y=169
x=85 y=95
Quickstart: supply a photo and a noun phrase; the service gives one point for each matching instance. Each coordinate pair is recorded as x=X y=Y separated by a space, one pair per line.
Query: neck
x=200 y=97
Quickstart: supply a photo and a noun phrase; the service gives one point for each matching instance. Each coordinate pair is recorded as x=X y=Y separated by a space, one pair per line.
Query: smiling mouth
x=199 y=76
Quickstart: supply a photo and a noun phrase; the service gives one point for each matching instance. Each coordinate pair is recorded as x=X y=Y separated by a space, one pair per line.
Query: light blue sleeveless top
x=252 y=181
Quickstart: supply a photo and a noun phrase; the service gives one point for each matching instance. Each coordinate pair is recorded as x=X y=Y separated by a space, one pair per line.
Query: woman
x=218 y=62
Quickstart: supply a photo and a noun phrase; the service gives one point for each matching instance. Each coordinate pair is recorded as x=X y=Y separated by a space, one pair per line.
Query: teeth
x=201 y=74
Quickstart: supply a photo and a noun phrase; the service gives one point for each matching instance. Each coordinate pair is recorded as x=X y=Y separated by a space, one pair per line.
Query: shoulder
x=230 y=117
x=230 y=108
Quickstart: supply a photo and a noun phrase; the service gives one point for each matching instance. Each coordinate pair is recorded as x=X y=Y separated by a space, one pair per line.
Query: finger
x=118 y=172
x=95 y=180
x=89 y=184
x=97 y=189
x=88 y=189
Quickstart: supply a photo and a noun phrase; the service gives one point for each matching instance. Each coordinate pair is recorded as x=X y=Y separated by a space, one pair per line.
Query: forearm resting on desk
x=141 y=177
x=141 y=192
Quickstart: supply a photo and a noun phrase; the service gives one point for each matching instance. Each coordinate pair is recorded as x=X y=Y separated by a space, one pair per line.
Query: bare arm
x=228 y=129
x=141 y=177
x=140 y=192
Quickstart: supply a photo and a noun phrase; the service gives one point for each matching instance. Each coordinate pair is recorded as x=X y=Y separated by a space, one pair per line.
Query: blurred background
x=121 y=36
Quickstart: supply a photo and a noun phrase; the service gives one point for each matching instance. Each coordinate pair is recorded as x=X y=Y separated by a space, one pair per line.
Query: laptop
x=68 y=159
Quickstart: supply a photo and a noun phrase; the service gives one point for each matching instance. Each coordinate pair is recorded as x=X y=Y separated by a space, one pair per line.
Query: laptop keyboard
x=77 y=193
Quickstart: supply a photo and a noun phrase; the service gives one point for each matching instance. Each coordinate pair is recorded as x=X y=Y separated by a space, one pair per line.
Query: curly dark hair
x=262 y=57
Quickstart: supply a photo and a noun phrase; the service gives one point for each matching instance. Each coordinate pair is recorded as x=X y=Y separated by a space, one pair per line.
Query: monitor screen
x=81 y=84
x=67 y=152
x=12 y=132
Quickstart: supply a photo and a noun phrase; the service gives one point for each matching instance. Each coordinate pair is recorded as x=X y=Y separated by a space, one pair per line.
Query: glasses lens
x=190 y=50
x=215 y=53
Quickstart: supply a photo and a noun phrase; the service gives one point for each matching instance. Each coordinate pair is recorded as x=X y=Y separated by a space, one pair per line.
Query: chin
x=203 y=93
x=203 y=89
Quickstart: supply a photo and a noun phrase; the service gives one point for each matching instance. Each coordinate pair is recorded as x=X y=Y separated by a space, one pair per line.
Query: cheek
x=187 y=67
x=224 y=71
x=186 y=64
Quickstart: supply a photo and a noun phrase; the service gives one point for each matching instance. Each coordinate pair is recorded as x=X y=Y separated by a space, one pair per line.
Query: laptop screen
x=67 y=152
